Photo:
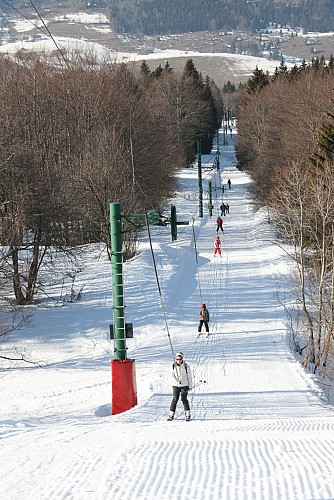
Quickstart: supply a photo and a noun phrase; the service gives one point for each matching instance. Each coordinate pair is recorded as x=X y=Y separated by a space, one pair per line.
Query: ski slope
x=261 y=426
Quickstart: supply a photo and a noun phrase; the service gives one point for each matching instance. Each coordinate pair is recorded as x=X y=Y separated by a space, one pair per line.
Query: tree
x=73 y=140
x=291 y=202
x=324 y=150
x=197 y=111
x=258 y=80
x=144 y=69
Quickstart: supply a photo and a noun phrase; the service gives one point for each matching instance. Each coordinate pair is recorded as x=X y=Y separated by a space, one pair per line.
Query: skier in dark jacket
x=219 y=223
x=204 y=318
x=223 y=209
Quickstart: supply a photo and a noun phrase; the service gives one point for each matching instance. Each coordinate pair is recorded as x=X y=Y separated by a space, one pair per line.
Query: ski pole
x=199 y=383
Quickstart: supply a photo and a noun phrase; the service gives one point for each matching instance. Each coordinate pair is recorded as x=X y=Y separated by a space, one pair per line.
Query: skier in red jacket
x=216 y=249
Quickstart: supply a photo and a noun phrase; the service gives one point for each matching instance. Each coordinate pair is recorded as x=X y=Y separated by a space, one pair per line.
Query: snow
x=83 y=17
x=24 y=25
x=99 y=22
x=261 y=426
x=315 y=34
x=245 y=64
x=69 y=44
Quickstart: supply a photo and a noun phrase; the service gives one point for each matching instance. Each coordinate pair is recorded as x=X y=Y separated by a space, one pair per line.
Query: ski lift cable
x=25 y=17
x=50 y=35
x=47 y=32
x=159 y=288
x=196 y=255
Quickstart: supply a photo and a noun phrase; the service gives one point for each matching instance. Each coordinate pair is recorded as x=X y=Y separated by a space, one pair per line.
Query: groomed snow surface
x=261 y=428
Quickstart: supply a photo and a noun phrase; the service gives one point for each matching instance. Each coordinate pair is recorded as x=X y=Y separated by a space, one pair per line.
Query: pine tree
x=229 y=87
x=190 y=71
x=157 y=72
x=144 y=69
x=294 y=73
x=168 y=68
x=283 y=69
x=258 y=80
x=325 y=143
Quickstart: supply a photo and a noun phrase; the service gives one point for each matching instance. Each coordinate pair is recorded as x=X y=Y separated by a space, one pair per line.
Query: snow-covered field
x=240 y=65
x=261 y=428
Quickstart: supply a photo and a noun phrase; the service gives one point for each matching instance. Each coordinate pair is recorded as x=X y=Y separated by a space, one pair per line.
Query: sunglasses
x=179 y=359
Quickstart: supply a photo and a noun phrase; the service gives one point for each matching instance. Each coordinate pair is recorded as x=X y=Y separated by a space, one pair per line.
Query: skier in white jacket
x=182 y=383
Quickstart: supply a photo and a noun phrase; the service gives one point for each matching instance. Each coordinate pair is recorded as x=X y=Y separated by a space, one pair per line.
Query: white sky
x=261 y=427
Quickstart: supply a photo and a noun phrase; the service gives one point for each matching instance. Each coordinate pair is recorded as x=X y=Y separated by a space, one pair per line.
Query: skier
x=204 y=318
x=223 y=209
x=229 y=183
x=217 y=246
x=182 y=383
x=219 y=223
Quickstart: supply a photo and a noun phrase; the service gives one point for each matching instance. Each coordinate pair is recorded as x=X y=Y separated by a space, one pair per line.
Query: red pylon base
x=124 y=387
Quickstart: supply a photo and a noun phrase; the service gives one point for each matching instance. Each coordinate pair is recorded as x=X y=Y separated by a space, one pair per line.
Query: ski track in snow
x=258 y=433
x=270 y=463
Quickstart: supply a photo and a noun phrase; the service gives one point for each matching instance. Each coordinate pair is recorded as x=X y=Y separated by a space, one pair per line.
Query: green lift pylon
x=200 y=182
x=124 y=391
x=117 y=280
x=210 y=206
x=218 y=152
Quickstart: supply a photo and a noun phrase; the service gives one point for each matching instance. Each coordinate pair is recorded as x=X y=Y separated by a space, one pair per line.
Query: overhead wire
x=132 y=170
x=158 y=284
x=46 y=32
x=25 y=17
x=50 y=34
x=196 y=254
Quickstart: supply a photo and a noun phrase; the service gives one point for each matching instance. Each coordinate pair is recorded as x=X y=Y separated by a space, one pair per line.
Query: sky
x=261 y=427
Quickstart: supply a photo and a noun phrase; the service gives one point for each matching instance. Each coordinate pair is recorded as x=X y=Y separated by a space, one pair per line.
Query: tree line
x=76 y=137
x=286 y=142
x=155 y=17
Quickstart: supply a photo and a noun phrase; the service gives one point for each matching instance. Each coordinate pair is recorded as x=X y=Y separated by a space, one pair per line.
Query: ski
x=179 y=419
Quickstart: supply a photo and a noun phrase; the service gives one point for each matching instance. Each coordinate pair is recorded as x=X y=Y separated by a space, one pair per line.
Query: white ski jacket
x=181 y=375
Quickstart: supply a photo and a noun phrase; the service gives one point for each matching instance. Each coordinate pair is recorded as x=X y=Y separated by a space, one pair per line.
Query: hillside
x=157 y=17
x=94 y=30
x=262 y=428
